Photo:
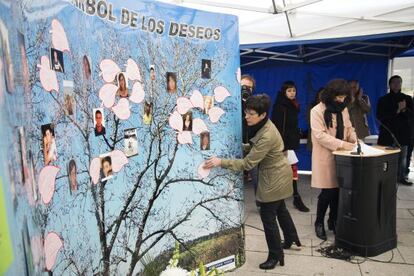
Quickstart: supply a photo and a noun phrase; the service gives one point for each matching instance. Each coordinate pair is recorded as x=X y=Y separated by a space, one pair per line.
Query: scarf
x=254 y=129
x=295 y=103
x=337 y=108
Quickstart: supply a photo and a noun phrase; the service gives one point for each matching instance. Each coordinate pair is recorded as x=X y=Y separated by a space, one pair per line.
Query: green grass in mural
x=205 y=249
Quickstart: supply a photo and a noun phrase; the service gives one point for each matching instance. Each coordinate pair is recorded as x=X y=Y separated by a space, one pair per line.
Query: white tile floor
x=307 y=261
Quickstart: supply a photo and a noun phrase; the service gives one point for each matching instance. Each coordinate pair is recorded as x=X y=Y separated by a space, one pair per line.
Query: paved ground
x=307 y=261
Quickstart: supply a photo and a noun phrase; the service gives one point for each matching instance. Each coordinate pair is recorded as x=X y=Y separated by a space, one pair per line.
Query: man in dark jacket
x=395 y=111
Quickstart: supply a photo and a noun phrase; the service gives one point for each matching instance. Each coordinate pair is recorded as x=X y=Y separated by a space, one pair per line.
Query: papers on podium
x=368 y=150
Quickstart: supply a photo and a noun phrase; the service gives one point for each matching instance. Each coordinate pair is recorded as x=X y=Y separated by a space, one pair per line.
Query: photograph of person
x=147 y=116
x=7 y=61
x=49 y=144
x=152 y=72
x=188 y=121
x=106 y=168
x=122 y=86
x=206 y=68
x=131 y=142
x=23 y=159
x=205 y=140
x=56 y=60
x=171 y=82
x=208 y=103
x=25 y=65
x=72 y=175
x=86 y=67
x=99 y=121
x=68 y=98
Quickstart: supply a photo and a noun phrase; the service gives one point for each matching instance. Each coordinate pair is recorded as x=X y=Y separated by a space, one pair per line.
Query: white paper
x=368 y=150
x=291 y=157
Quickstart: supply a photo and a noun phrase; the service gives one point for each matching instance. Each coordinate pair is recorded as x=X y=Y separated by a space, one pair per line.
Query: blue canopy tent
x=314 y=41
x=311 y=64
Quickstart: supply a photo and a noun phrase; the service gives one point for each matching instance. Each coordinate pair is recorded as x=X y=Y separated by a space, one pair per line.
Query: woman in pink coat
x=331 y=130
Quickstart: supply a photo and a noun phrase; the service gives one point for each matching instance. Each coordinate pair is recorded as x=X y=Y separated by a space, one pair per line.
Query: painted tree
x=134 y=217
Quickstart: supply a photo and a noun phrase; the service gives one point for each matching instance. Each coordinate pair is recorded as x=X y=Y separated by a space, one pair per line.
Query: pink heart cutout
x=53 y=243
x=47 y=178
x=119 y=160
x=197 y=99
x=199 y=126
x=59 y=39
x=176 y=121
x=121 y=109
x=48 y=77
x=203 y=173
x=132 y=70
x=185 y=137
x=215 y=114
x=138 y=94
x=107 y=94
x=109 y=70
x=221 y=93
x=183 y=105
x=94 y=170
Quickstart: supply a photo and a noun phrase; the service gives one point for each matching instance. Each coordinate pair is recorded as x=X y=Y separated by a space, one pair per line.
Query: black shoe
x=288 y=244
x=320 y=231
x=271 y=263
x=406 y=182
x=298 y=203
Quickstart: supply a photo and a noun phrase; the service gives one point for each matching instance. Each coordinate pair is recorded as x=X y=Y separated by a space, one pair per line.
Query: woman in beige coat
x=331 y=130
x=275 y=177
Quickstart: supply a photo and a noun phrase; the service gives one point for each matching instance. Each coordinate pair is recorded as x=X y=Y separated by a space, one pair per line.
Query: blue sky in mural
x=72 y=214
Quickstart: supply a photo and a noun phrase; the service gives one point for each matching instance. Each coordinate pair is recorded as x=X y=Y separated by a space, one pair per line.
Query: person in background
x=410 y=149
x=358 y=108
x=395 y=112
x=285 y=117
x=265 y=151
x=315 y=102
x=248 y=85
x=331 y=130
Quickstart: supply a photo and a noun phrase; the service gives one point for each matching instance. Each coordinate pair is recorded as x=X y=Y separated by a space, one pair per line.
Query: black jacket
x=399 y=124
x=285 y=118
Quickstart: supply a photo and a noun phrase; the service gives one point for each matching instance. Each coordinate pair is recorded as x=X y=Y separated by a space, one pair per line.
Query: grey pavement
x=307 y=261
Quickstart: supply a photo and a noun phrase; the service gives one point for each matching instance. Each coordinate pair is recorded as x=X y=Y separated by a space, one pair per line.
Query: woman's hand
x=212 y=162
x=348 y=146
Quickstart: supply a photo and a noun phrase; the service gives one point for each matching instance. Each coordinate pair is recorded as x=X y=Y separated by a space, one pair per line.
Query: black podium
x=367 y=202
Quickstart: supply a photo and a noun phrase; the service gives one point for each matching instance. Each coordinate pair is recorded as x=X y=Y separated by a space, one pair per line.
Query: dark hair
x=72 y=164
x=394 y=77
x=259 y=103
x=119 y=76
x=336 y=87
x=98 y=112
x=286 y=85
x=107 y=159
x=250 y=78
x=49 y=127
x=317 y=97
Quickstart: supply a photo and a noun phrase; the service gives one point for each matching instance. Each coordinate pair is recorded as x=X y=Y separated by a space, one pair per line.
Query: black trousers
x=327 y=198
x=268 y=213
x=408 y=160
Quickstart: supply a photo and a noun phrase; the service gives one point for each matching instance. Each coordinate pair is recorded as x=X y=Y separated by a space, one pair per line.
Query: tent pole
x=390 y=68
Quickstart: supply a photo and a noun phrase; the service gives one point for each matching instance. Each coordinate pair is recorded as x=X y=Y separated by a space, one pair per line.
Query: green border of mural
x=5 y=242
